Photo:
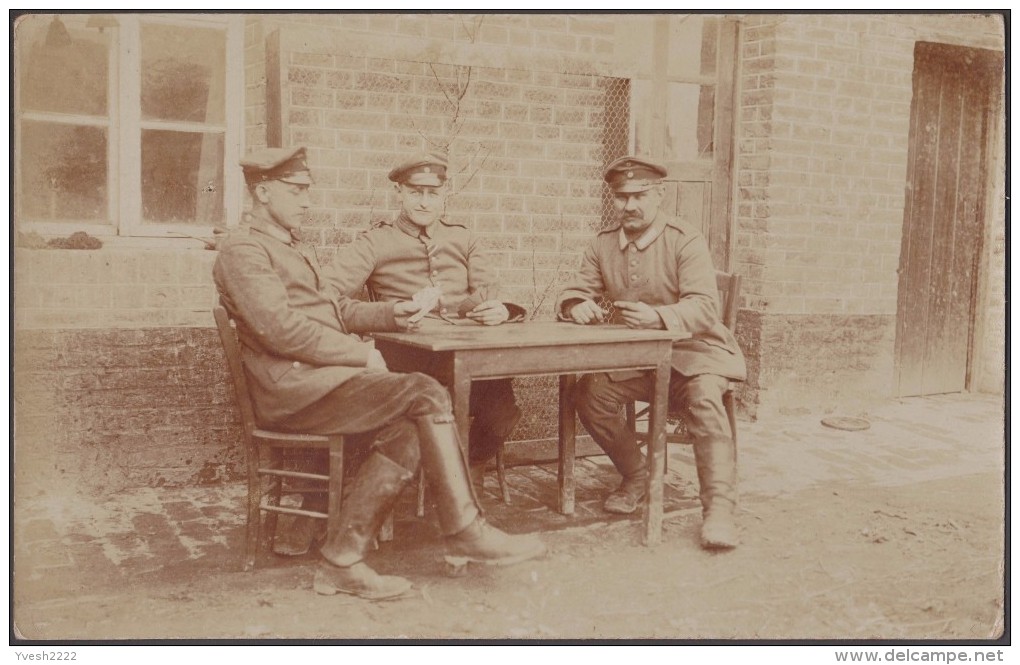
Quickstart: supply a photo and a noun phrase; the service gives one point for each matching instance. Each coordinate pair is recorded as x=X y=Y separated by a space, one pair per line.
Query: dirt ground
x=841 y=555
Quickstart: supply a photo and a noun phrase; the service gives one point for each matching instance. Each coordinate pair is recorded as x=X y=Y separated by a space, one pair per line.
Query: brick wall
x=119 y=378
x=112 y=288
x=821 y=167
x=102 y=409
x=526 y=144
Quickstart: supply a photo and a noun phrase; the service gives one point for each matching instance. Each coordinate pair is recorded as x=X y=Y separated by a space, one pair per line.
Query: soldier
x=657 y=272
x=419 y=250
x=310 y=372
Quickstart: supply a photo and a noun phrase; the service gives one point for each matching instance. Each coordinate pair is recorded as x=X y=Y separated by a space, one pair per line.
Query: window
x=682 y=112
x=689 y=99
x=128 y=125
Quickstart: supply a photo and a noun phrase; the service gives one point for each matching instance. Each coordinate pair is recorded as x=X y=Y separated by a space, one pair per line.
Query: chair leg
x=268 y=530
x=253 y=531
x=420 y=511
x=501 y=474
x=336 y=488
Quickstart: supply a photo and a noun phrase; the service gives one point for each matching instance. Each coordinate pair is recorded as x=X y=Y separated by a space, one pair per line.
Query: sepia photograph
x=519 y=328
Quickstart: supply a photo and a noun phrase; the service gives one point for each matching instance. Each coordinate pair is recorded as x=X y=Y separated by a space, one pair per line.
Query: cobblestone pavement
x=72 y=549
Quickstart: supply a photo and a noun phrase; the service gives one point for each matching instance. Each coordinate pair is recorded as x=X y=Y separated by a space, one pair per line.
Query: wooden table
x=458 y=355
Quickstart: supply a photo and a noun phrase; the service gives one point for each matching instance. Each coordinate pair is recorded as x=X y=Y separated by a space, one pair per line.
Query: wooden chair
x=729 y=298
x=266 y=454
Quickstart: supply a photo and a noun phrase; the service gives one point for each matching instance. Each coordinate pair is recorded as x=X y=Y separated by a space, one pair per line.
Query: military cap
x=632 y=174
x=424 y=170
x=284 y=164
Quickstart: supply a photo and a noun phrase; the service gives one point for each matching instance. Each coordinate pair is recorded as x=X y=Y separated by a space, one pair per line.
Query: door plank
x=915 y=275
x=970 y=215
x=936 y=364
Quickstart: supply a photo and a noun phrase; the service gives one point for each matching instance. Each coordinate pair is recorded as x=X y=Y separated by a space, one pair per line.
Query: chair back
x=729 y=297
x=232 y=348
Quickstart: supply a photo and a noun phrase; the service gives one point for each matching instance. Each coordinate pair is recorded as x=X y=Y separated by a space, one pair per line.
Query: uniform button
x=435 y=272
x=633 y=248
x=297 y=363
x=633 y=278
x=633 y=262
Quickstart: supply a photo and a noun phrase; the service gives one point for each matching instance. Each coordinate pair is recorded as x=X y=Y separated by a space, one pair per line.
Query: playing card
x=426 y=299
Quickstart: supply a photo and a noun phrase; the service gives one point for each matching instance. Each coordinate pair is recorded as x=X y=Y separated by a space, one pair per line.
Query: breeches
x=601 y=404
x=376 y=410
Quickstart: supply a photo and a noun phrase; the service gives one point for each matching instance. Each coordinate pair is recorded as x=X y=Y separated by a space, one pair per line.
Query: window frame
x=124 y=222
x=714 y=174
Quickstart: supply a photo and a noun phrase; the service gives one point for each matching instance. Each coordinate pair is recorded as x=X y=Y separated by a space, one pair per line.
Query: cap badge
x=428 y=169
x=630 y=174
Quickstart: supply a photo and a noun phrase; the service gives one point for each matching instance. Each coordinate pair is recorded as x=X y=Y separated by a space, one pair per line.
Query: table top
x=525 y=334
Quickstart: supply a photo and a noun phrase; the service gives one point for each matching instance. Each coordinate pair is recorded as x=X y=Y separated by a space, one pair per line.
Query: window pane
x=63 y=65
x=709 y=41
x=63 y=172
x=690 y=121
x=693 y=43
x=183 y=73
x=182 y=177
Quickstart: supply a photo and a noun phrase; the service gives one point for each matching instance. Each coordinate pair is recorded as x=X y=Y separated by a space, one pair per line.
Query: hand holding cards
x=426 y=300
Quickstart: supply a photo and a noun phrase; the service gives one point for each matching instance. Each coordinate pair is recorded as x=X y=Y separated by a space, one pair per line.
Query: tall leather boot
x=717 y=476
x=468 y=537
x=373 y=493
x=629 y=461
x=477 y=473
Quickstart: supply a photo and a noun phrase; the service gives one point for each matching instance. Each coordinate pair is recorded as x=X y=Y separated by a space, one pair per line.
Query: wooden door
x=955 y=92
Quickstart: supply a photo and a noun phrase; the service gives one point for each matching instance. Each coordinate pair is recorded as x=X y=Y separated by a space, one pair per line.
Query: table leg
x=657 y=453
x=460 y=395
x=567 y=444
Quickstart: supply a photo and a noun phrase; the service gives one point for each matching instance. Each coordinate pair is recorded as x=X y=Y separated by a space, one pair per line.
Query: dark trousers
x=375 y=410
x=494 y=413
x=601 y=407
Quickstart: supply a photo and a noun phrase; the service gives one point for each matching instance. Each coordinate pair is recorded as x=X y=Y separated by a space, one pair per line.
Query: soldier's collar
x=648 y=237
x=405 y=224
x=271 y=229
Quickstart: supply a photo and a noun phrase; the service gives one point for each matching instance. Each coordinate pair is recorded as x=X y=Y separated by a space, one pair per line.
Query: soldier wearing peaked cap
x=657 y=272
x=421 y=171
x=288 y=165
x=309 y=371
x=421 y=249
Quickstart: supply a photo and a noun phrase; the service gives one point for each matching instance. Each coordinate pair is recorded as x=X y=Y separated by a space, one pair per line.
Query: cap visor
x=424 y=180
x=633 y=188
x=298 y=179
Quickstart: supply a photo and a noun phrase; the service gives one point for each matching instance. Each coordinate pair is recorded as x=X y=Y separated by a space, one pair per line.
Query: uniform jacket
x=670 y=268
x=298 y=333
x=394 y=262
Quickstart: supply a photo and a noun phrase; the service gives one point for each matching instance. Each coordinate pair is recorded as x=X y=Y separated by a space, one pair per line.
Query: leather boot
x=468 y=536
x=477 y=473
x=373 y=493
x=717 y=476
x=629 y=461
